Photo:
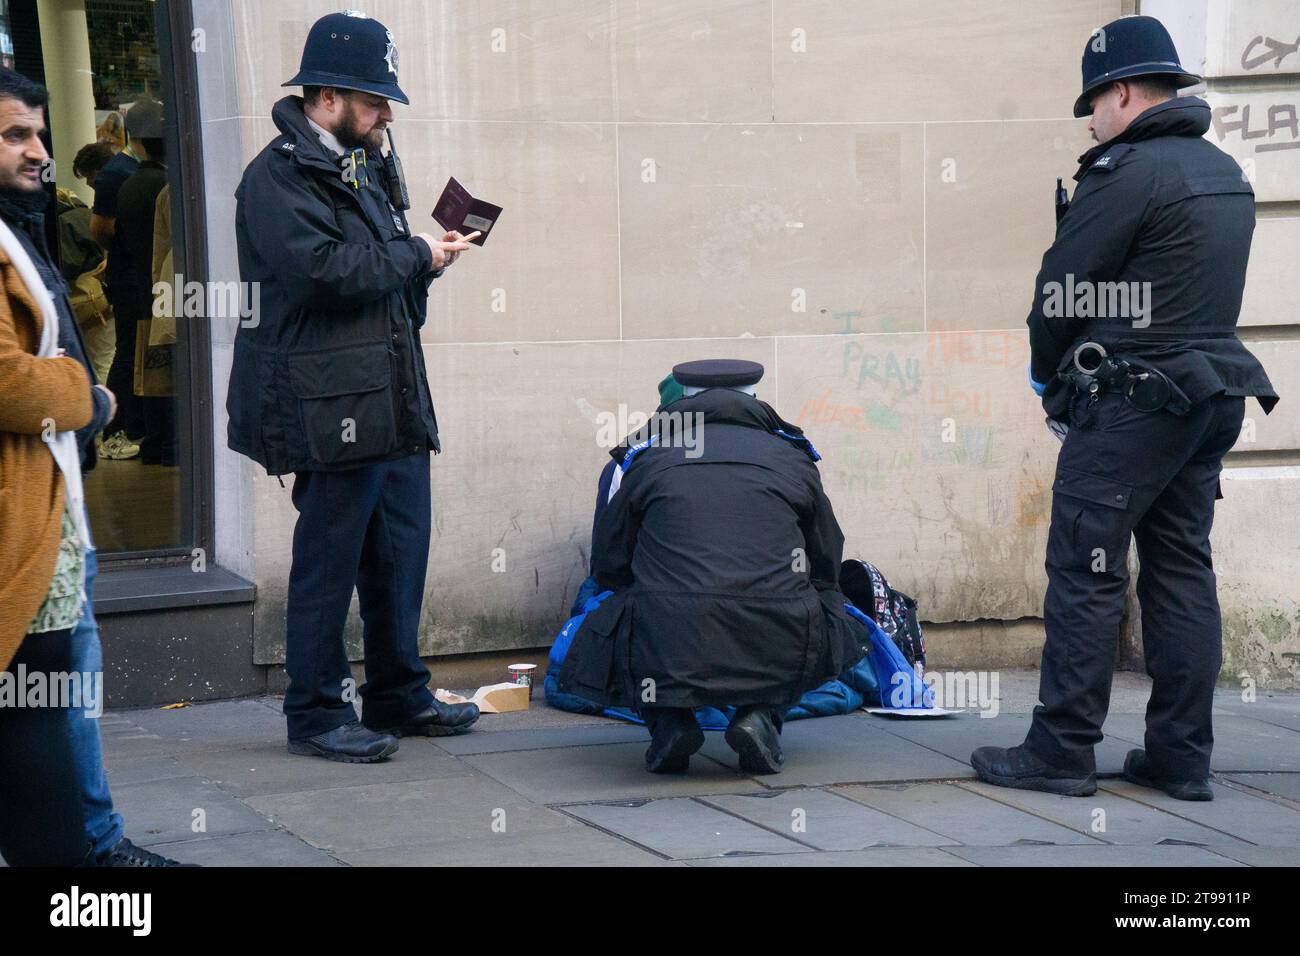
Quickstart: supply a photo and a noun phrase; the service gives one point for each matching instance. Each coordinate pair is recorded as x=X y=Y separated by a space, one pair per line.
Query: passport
x=458 y=210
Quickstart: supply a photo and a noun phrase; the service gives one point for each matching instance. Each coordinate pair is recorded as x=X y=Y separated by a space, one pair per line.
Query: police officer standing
x=1153 y=396
x=329 y=384
x=723 y=554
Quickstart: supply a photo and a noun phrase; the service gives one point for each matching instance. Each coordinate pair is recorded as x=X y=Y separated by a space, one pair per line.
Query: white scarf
x=62 y=445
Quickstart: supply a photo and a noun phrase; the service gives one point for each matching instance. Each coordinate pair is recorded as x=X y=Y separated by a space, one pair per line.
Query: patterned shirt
x=63 y=602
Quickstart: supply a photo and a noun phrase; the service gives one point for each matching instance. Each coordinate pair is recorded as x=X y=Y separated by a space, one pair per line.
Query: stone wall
x=856 y=195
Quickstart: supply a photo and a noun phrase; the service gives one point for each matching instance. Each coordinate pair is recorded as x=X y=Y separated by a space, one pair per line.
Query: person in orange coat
x=44 y=397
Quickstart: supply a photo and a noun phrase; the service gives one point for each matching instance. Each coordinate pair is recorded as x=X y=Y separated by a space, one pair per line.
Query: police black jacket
x=725 y=568
x=1157 y=204
x=328 y=372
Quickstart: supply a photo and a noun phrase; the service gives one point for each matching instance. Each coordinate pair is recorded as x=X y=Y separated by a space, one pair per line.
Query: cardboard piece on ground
x=491 y=699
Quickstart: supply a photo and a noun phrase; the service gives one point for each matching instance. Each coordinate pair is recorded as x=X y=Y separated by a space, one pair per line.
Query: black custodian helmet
x=1125 y=48
x=350 y=51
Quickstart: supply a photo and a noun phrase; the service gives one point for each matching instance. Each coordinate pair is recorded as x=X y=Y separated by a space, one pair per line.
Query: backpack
x=87 y=298
x=893 y=611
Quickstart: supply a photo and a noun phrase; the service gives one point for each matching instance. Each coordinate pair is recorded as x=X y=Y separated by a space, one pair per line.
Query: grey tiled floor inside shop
x=545 y=787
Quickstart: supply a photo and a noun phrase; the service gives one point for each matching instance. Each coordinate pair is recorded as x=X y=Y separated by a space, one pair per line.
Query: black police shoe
x=1019 y=768
x=674 y=736
x=126 y=853
x=1137 y=769
x=351 y=743
x=438 y=720
x=753 y=735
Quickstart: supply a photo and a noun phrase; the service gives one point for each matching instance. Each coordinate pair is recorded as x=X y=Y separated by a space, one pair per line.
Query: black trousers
x=1152 y=476
x=366 y=528
x=40 y=791
x=128 y=309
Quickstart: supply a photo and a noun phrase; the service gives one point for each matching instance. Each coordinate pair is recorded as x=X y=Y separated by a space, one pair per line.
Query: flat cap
x=717 y=373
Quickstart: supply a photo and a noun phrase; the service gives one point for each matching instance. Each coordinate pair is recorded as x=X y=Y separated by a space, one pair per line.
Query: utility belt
x=1094 y=372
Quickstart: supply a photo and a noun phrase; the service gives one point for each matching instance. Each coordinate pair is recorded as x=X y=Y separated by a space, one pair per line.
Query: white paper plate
x=902 y=712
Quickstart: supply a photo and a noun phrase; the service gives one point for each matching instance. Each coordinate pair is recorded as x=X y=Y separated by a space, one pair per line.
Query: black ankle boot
x=674 y=736
x=755 y=736
x=1023 y=770
x=1137 y=769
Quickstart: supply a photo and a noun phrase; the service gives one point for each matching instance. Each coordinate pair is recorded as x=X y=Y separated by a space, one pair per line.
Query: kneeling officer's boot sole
x=757 y=742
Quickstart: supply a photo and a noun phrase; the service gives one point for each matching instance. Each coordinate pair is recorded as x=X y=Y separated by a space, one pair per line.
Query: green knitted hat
x=669 y=391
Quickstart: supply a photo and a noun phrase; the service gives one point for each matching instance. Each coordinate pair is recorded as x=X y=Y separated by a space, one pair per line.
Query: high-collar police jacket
x=328 y=372
x=1169 y=216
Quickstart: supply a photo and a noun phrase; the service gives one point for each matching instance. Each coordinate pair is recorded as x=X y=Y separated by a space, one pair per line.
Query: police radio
x=1062 y=200
x=393 y=177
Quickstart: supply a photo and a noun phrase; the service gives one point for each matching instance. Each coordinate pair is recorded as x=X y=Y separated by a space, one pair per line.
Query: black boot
x=437 y=720
x=674 y=735
x=1138 y=769
x=755 y=734
x=1023 y=770
x=351 y=743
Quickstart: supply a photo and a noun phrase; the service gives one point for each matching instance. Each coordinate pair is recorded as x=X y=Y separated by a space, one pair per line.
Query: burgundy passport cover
x=458 y=210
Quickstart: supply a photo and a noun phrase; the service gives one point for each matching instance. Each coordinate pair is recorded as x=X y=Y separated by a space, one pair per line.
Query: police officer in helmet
x=1134 y=349
x=329 y=384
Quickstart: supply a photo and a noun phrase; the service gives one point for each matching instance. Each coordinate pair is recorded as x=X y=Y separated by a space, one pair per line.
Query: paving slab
x=477 y=742
x=349 y=819
x=1241 y=744
x=879 y=858
x=1279 y=784
x=223 y=725
x=1123 y=821
x=1261 y=855
x=574 y=845
x=270 y=768
x=1257 y=820
x=847 y=749
x=264 y=848
x=681 y=828
x=1096 y=855
x=162 y=811
x=958 y=736
x=604 y=772
x=825 y=820
x=963 y=816
x=1282 y=711
x=124 y=770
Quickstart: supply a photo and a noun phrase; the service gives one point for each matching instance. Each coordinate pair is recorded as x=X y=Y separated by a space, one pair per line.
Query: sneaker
x=117 y=447
x=126 y=853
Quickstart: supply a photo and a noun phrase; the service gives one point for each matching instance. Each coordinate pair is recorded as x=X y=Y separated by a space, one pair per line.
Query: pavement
x=213 y=784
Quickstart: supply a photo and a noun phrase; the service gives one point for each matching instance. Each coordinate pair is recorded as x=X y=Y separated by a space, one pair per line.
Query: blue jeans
x=103 y=826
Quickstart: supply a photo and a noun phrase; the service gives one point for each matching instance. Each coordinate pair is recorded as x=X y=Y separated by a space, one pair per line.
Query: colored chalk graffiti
x=882 y=368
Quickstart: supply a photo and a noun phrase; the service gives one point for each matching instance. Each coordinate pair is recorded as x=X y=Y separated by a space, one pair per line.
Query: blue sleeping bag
x=859 y=685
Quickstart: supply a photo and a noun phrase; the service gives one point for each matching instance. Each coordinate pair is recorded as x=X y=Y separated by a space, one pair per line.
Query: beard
x=23 y=200
x=349 y=134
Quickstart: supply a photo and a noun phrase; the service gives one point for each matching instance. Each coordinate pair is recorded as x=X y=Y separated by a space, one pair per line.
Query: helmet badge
x=390 y=54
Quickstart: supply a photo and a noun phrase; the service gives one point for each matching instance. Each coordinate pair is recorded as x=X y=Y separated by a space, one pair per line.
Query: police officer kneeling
x=723 y=554
x=330 y=384
x=1154 y=400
